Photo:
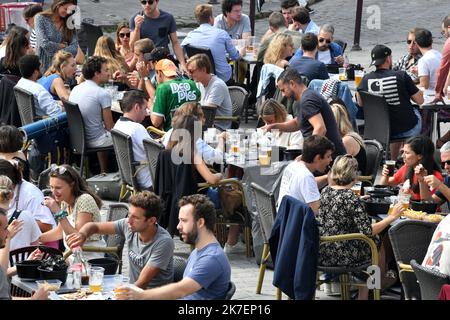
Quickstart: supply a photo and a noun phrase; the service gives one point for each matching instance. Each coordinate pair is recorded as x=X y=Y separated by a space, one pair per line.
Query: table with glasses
x=434 y=108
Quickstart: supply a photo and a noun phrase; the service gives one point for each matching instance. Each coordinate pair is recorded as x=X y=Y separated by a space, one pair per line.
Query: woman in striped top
x=28 y=14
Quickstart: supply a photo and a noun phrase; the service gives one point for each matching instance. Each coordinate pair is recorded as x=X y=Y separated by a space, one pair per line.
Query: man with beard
x=150 y=247
x=207 y=274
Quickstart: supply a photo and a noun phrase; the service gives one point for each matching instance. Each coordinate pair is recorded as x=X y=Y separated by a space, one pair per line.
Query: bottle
x=77 y=266
x=346 y=61
x=253 y=147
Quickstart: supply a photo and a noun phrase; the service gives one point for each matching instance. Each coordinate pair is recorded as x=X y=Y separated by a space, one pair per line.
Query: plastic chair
x=193 y=50
x=345 y=271
x=116 y=212
x=210 y=113
x=179 y=264
x=410 y=240
x=77 y=134
x=430 y=281
x=231 y=291
x=152 y=150
x=26 y=104
x=266 y=209
x=123 y=148
x=374 y=154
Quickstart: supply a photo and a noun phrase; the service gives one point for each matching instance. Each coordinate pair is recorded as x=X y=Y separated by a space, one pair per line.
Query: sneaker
x=237 y=248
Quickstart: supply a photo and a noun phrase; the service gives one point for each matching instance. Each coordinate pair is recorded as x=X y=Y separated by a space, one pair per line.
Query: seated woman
x=57 y=77
x=17 y=46
x=274 y=112
x=209 y=154
x=353 y=143
x=418 y=156
x=117 y=66
x=73 y=205
x=123 y=42
x=341 y=212
x=280 y=48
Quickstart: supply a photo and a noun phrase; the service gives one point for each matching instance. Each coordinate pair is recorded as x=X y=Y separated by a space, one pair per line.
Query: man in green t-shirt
x=170 y=93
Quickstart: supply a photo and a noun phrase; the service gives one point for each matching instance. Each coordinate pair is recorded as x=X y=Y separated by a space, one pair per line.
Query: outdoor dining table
x=434 y=108
x=248 y=59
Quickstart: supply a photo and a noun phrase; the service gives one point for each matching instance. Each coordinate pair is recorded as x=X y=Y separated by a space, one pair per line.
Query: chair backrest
x=410 y=240
x=430 y=281
x=342 y=43
x=265 y=206
x=209 y=112
x=376 y=118
x=193 y=50
x=76 y=127
x=88 y=36
x=116 y=211
x=239 y=99
x=374 y=156
x=231 y=291
x=152 y=150
x=26 y=105
x=21 y=254
x=179 y=264
x=123 y=148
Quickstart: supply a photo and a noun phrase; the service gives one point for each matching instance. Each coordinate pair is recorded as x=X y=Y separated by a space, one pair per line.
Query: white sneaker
x=239 y=247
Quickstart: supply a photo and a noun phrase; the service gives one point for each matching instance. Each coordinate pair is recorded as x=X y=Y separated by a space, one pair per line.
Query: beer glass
x=96 y=279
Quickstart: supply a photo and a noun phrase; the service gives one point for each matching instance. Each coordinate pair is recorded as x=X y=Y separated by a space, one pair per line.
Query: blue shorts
x=415 y=131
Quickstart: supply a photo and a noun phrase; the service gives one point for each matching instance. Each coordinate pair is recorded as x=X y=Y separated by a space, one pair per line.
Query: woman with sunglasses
x=73 y=205
x=53 y=31
x=418 y=156
x=123 y=42
x=106 y=48
x=341 y=212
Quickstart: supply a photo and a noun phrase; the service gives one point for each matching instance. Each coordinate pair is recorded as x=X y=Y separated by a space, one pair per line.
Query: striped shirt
x=33 y=39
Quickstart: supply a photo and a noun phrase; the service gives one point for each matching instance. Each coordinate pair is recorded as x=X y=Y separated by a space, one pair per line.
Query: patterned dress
x=341 y=212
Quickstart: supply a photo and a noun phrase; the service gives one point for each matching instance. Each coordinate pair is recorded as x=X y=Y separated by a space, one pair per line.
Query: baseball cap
x=379 y=54
x=167 y=67
x=157 y=54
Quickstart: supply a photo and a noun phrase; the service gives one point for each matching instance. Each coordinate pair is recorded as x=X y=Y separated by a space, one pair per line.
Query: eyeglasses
x=122 y=35
x=328 y=41
x=58 y=170
x=409 y=41
x=445 y=162
x=150 y=2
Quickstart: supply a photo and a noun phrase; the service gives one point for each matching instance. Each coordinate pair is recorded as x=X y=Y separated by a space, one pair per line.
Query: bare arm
x=424 y=81
x=318 y=124
x=418 y=97
x=52 y=235
x=79 y=238
x=288 y=126
x=178 y=50
x=61 y=91
x=107 y=118
x=314 y=206
x=146 y=275
x=136 y=33
x=206 y=173
x=157 y=121
x=381 y=225
x=385 y=180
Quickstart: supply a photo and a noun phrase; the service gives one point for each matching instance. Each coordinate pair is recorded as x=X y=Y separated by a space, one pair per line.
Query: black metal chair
x=374 y=155
x=231 y=291
x=77 y=134
x=116 y=211
x=193 y=50
x=26 y=104
x=123 y=148
x=410 y=240
x=430 y=281
x=88 y=36
x=152 y=150
x=210 y=113
x=179 y=264
x=9 y=111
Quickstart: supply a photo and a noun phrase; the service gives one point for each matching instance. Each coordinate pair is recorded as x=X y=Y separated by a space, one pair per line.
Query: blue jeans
x=415 y=131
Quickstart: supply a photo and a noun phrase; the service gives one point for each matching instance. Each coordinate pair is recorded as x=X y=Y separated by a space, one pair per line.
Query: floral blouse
x=342 y=212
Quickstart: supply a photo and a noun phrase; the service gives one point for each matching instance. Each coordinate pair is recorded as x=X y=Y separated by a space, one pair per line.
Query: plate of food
x=415 y=215
x=436 y=218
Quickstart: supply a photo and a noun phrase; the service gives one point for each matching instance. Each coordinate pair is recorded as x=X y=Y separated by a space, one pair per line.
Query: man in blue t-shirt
x=158 y=25
x=208 y=271
x=442 y=194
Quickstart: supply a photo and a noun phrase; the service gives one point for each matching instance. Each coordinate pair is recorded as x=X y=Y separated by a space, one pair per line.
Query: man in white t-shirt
x=298 y=181
x=134 y=107
x=428 y=65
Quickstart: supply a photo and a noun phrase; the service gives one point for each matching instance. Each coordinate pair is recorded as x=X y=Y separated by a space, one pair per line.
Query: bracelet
x=60 y=215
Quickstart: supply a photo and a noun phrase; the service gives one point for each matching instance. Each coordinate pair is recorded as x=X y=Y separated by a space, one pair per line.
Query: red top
x=444 y=67
x=399 y=178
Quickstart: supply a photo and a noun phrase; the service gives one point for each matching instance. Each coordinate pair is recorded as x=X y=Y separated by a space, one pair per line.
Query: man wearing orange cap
x=170 y=93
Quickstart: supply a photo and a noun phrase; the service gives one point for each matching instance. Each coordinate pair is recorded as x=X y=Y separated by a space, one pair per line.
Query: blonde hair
x=106 y=48
x=276 y=49
x=343 y=122
x=6 y=189
x=60 y=60
x=272 y=107
x=344 y=170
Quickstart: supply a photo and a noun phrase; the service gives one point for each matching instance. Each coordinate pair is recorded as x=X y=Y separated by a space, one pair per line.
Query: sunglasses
x=150 y=2
x=409 y=41
x=122 y=35
x=58 y=171
x=445 y=162
x=326 y=40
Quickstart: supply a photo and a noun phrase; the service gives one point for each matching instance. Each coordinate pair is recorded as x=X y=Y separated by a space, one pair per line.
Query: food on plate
x=412 y=214
x=79 y=295
x=433 y=218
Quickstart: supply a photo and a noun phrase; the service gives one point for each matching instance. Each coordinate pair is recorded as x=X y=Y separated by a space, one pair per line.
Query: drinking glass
x=96 y=279
x=359 y=74
x=342 y=74
x=391 y=166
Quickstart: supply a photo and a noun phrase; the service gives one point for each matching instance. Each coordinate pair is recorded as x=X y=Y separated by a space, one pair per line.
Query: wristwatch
x=146 y=79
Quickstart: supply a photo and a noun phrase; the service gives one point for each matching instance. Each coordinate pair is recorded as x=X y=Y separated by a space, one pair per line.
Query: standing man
x=95 y=107
x=444 y=68
x=157 y=25
x=134 y=107
x=150 y=247
x=233 y=21
x=428 y=65
x=208 y=271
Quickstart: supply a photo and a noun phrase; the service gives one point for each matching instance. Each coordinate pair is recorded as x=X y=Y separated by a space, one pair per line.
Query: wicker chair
x=116 y=211
x=239 y=100
x=430 y=281
x=210 y=113
x=26 y=104
x=179 y=264
x=152 y=150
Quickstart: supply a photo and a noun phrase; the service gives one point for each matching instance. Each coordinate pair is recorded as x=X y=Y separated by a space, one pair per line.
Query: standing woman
x=58 y=76
x=123 y=42
x=73 y=205
x=53 y=32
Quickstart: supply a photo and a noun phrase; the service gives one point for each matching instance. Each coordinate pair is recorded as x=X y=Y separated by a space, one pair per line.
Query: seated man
x=134 y=107
x=95 y=106
x=207 y=274
x=298 y=180
x=328 y=52
x=409 y=61
x=171 y=93
x=398 y=89
x=217 y=40
x=302 y=22
x=150 y=247
x=233 y=21
x=213 y=90
x=307 y=64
